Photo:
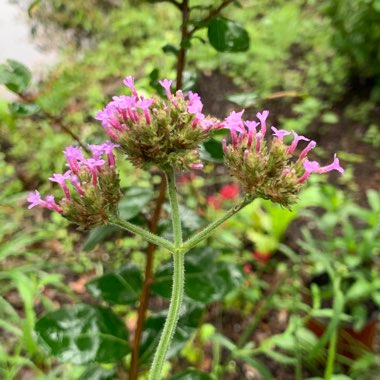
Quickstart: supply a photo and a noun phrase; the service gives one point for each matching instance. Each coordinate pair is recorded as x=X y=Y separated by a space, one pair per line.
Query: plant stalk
x=148 y=280
x=178 y=285
x=206 y=232
x=148 y=236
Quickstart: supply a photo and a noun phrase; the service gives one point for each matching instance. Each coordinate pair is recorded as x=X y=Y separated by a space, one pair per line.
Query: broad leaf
x=23 y=109
x=133 y=201
x=207 y=280
x=15 y=76
x=120 y=287
x=189 y=320
x=227 y=35
x=96 y=372
x=83 y=334
x=97 y=235
x=212 y=150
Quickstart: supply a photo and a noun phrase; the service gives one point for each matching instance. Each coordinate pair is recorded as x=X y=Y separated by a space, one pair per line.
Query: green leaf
x=191 y=374
x=170 y=49
x=23 y=109
x=207 y=280
x=134 y=200
x=212 y=151
x=189 y=320
x=83 y=334
x=96 y=372
x=15 y=76
x=227 y=35
x=120 y=287
x=97 y=235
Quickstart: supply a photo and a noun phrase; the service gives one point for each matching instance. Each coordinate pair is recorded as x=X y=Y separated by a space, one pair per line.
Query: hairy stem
x=178 y=285
x=148 y=279
x=206 y=232
x=148 y=236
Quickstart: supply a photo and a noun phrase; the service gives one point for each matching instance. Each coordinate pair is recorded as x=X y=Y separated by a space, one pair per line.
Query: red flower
x=230 y=191
x=261 y=257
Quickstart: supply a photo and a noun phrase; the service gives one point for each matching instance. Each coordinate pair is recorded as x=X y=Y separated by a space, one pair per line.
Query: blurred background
x=314 y=64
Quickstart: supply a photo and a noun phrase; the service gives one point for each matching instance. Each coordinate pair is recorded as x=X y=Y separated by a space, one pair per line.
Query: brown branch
x=148 y=280
x=184 y=36
x=213 y=12
x=56 y=120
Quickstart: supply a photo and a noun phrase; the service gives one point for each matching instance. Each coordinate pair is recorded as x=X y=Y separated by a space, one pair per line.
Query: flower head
x=265 y=167
x=163 y=132
x=166 y=84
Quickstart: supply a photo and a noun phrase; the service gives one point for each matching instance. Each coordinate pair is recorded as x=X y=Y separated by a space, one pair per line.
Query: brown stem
x=148 y=279
x=213 y=12
x=184 y=36
x=56 y=120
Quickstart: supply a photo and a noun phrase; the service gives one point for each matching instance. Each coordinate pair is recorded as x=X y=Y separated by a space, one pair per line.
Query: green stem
x=151 y=238
x=206 y=232
x=176 y=220
x=331 y=355
x=178 y=285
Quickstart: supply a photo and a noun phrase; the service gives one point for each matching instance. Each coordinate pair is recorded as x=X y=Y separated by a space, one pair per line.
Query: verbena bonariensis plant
x=167 y=133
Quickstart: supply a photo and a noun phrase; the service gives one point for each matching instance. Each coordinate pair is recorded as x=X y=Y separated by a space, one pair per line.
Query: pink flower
x=50 y=204
x=194 y=105
x=280 y=133
x=61 y=180
x=129 y=81
x=214 y=201
x=312 y=144
x=197 y=166
x=166 y=83
x=94 y=165
x=75 y=182
x=263 y=117
x=295 y=142
x=251 y=125
x=310 y=167
x=144 y=104
x=34 y=199
x=73 y=154
x=259 y=137
x=333 y=166
x=235 y=124
x=108 y=147
x=97 y=150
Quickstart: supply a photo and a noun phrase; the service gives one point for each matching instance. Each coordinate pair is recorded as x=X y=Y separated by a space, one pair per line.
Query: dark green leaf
x=83 y=334
x=97 y=235
x=207 y=280
x=170 y=49
x=212 y=151
x=190 y=317
x=120 y=287
x=191 y=374
x=227 y=35
x=134 y=200
x=98 y=373
x=23 y=109
x=15 y=76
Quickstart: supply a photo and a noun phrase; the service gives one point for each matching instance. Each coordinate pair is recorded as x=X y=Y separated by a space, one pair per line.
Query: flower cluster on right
x=269 y=170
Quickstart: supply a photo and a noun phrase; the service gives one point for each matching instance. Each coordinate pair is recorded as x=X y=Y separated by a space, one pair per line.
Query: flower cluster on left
x=90 y=186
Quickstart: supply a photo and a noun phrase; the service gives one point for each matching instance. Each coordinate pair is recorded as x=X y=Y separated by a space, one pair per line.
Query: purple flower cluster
x=82 y=174
x=124 y=112
x=245 y=135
